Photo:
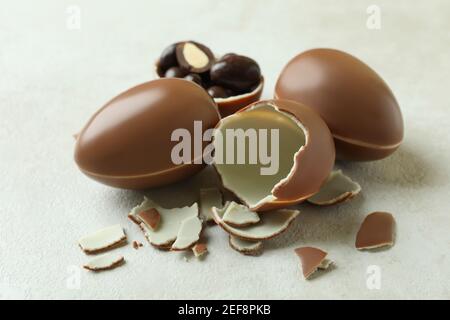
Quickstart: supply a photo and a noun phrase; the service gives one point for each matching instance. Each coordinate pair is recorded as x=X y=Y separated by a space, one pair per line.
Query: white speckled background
x=53 y=78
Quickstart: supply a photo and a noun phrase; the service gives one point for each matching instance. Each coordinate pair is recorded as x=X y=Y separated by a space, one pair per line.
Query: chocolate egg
x=357 y=105
x=298 y=141
x=128 y=143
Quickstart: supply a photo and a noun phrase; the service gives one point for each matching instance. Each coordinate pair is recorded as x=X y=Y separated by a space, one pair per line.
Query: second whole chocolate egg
x=128 y=143
x=357 y=105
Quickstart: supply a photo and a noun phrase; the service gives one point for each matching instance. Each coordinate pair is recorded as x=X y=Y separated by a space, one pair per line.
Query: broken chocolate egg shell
x=271 y=224
x=312 y=259
x=103 y=240
x=209 y=197
x=199 y=250
x=127 y=143
x=188 y=234
x=376 y=231
x=171 y=221
x=337 y=189
x=237 y=215
x=305 y=150
x=104 y=262
x=248 y=248
x=150 y=217
x=230 y=105
x=357 y=105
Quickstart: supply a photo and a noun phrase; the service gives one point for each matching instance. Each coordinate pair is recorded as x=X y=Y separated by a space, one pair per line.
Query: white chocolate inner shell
x=188 y=234
x=271 y=224
x=171 y=221
x=237 y=215
x=246 y=180
x=338 y=187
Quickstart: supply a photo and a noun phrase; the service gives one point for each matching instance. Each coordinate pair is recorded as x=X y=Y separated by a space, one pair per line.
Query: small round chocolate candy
x=218 y=92
x=175 y=72
x=168 y=58
x=194 y=77
x=194 y=56
x=236 y=72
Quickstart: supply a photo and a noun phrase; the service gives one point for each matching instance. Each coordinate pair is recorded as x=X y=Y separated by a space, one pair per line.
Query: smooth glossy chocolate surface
x=377 y=230
x=236 y=72
x=127 y=143
x=311 y=258
x=357 y=105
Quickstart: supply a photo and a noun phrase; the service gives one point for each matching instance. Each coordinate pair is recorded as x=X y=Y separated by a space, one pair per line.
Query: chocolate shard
x=209 y=197
x=248 y=248
x=103 y=239
x=312 y=259
x=338 y=188
x=377 y=230
x=150 y=217
x=106 y=261
x=199 y=249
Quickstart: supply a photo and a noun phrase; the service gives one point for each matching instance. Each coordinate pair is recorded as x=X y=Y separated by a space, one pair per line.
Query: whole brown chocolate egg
x=357 y=105
x=128 y=143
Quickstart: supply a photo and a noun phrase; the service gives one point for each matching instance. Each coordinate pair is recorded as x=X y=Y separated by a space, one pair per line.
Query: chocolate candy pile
x=231 y=75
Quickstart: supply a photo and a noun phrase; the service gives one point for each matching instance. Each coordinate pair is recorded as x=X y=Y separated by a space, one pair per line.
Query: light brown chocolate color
x=311 y=259
x=377 y=230
x=357 y=105
x=127 y=143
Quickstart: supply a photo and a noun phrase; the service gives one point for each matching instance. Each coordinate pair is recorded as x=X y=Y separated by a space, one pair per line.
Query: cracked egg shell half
x=357 y=105
x=127 y=143
x=304 y=147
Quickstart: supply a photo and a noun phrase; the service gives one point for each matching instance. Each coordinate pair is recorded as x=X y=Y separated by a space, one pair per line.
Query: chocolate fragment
x=103 y=239
x=377 y=230
x=312 y=259
x=137 y=245
x=248 y=248
x=194 y=57
x=188 y=234
x=237 y=215
x=150 y=217
x=171 y=221
x=236 y=72
x=209 y=197
x=199 y=250
x=271 y=224
x=104 y=262
x=337 y=189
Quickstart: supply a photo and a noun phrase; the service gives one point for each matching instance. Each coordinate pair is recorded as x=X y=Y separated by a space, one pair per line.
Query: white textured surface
x=52 y=79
